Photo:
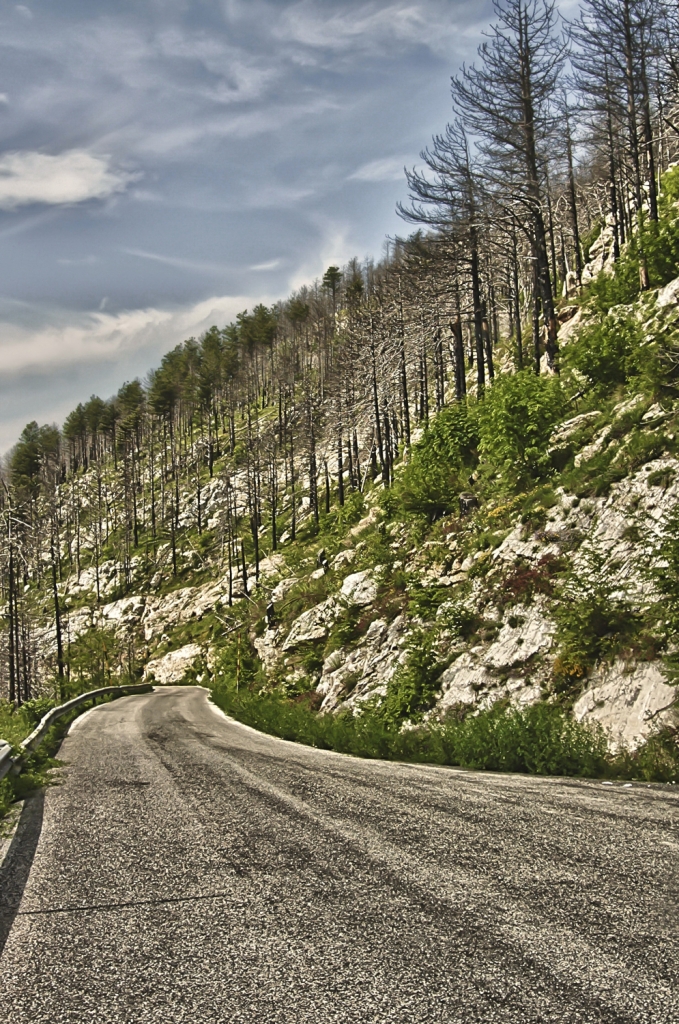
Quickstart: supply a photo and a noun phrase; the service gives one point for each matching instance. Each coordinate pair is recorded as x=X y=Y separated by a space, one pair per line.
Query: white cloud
x=374 y=25
x=70 y=177
x=65 y=339
x=389 y=168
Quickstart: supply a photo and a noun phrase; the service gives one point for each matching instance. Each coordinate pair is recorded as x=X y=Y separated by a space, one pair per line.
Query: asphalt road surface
x=188 y=869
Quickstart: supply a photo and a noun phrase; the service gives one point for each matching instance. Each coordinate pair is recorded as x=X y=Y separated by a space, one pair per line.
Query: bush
x=412 y=689
x=593 y=622
x=516 y=418
x=431 y=482
x=606 y=350
x=659 y=244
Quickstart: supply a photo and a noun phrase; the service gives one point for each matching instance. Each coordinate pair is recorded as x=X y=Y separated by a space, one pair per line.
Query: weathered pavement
x=188 y=869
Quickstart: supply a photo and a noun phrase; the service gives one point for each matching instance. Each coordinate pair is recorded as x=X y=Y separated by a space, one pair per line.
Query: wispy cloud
x=271 y=265
x=388 y=168
x=199 y=266
x=27 y=178
x=51 y=339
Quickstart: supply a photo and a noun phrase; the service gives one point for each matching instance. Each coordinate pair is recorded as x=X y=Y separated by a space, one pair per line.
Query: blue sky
x=165 y=164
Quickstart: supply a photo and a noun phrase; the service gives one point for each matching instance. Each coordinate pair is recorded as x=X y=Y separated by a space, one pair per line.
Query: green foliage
x=97 y=658
x=664 y=575
x=541 y=740
x=606 y=351
x=431 y=482
x=35 y=448
x=593 y=623
x=414 y=685
x=656 y=243
x=516 y=418
x=236 y=666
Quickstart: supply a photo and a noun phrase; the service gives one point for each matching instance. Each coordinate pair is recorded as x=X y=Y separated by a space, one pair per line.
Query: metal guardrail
x=8 y=761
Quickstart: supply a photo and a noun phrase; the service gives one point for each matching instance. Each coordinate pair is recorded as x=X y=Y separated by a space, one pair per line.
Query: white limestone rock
x=468 y=681
x=368 y=667
x=267 y=648
x=568 y=329
x=313 y=624
x=462 y=682
x=359 y=588
x=515 y=645
x=597 y=445
x=342 y=558
x=669 y=295
x=571 y=426
x=173 y=666
x=283 y=588
x=631 y=702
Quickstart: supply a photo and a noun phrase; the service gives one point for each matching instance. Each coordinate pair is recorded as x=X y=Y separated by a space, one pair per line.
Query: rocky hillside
x=552 y=583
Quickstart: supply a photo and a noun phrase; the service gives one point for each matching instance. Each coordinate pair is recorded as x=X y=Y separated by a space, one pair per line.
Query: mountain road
x=185 y=868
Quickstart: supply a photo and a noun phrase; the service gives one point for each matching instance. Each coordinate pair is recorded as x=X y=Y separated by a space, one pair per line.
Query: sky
x=166 y=164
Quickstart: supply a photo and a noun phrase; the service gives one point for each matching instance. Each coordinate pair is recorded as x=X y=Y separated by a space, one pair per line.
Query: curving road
x=188 y=869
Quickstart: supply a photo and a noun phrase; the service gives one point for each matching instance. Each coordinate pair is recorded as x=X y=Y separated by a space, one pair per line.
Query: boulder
x=313 y=624
x=359 y=588
x=173 y=666
x=669 y=295
x=345 y=557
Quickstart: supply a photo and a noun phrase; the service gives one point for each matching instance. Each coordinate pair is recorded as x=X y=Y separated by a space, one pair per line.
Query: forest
x=433 y=375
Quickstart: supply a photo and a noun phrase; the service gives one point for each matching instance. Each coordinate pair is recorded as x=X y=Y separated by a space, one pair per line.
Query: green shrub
x=658 y=243
x=237 y=665
x=664 y=575
x=606 y=350
x=541 y=740
x=430 y=483
x=414 y=685
x=516 y=418
x=593 y=622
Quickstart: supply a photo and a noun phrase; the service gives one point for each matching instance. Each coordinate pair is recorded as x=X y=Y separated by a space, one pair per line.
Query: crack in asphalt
x=130 y=904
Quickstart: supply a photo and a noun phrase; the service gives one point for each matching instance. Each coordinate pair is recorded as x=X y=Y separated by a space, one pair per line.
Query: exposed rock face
x=282 y=588
x=359 y=588
x=363 y=672
x=173 y=666
x=529 y=633
x=267 y=648
x=669 y=295
x=630 y=701
x=469 y=682
x=313 y=624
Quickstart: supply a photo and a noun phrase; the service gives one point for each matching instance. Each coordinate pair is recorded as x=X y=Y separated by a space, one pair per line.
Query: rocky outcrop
x=359 y=588
x=313 y=624
x=630 y=701
x=527 y=632
x=350 y=677
x=173 y=666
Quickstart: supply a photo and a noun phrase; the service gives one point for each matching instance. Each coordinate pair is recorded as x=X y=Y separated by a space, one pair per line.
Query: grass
x=539 y=740
x=15 y=725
